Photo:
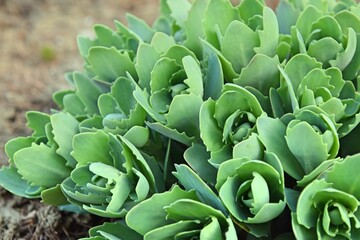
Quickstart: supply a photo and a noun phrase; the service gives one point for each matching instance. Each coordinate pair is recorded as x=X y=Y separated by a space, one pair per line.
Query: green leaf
x=190 y=180
x=145 y=61
x=344 y=177
x=210 y=131
x=238 y=43
x=194 y=76
x=235 y=98
x=179 y=10
x=269 y=36
x=197 y=157
x=193 y=27
x=286 y=15
x=87 y=91
x=133 y=155
x=138 y=136
x=118 y=229
x=16 y=144
x=228 y=14
x=105 y=37
x=91 y=147
x=150 y=214
x=261 y=73
x=306 y=19
x=108 y=63
x=162 y=42
x=298 y=67
x=188 y=209
x=122 y=91
x=120 y=192
x=162 y=73
x=292 y=197
x=171 y=230
x=251 y=148
x=324 y=50
x=228 y=69
x=249 y=8
x=212 y=231
x=183 y=114
x=73 y=105
x=274 y=141
x=344 y=58
x=37 y=121
x=171 y=133
x=41 y=166
x=12 y=181
x=214 y=77
x=309 y=155
x=329 y=27
x=140 y=27
x=307 y=214
x=65 y=127
x=54 y=196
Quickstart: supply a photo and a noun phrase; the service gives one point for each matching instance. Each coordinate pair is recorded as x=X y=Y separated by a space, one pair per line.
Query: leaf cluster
x=219 y=121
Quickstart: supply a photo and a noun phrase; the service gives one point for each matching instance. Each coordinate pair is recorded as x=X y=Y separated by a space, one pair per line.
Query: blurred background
x=38 y=45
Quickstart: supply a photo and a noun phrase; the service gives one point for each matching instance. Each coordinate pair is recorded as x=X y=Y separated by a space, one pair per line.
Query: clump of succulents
x=220 y=121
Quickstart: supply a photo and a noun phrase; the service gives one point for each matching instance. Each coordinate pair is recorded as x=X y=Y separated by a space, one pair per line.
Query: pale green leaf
x=228 y=14
x=108 y=63
x=37 y=121
x=274 y=141
x=140 y=27
x=91 y=147
x=65 y=127
x=41 y=166
x=150 y=214
x=190 y=180
x=238 y=43
x=12 y=181
x=269 y=35
x=261 y=73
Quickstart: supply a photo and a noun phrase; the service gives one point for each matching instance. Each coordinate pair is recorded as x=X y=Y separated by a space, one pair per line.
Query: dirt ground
x=37 y=46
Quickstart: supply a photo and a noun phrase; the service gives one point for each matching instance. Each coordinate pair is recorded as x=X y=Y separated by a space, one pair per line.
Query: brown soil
x=37 y=46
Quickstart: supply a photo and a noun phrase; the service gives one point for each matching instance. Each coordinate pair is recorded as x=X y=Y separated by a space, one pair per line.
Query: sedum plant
x=219 y=121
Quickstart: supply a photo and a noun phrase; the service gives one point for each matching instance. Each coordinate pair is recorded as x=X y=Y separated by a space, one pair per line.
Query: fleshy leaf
x=41 y=166
x=274 y=141
x=344 y=176
x=37 y=121
x=65 y=127
x=245 y=43
x=108 y=63
x=262 y=73
x=189 y=179
x=91 y=147
x=12 y=181
x=150 y=214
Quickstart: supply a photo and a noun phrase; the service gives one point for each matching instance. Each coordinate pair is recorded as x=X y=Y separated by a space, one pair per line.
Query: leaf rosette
x=228 y=121
x=40 y=162
x=111 y=175
x=287 y=140
x=252 y=191
x=170 y=88
x=329 y=208
x=306 y=85
x=332 y=39
x=119 y=113
x=179 y=214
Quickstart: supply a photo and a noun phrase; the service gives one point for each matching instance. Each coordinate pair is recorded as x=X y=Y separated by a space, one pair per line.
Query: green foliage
x=216 y=122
